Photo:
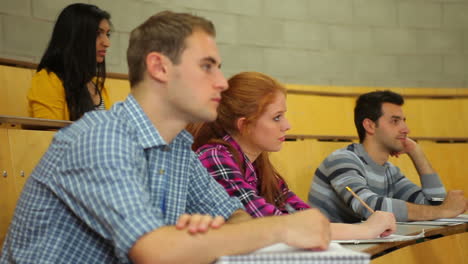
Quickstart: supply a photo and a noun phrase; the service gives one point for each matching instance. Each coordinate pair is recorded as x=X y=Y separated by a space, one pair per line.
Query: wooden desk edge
x=379 y=249
x=32 y=123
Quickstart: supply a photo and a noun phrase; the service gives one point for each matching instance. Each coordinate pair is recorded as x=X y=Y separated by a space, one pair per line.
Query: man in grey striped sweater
x=364 y=167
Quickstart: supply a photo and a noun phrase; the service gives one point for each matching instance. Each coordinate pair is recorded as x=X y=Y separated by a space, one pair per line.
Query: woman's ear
x=157 y=66
x=241 y=124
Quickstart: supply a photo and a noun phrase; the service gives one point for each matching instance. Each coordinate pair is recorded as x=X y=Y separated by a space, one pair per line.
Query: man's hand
x=409 y=146
x=198 y=223
x=380 y=224
x=307 y=229
x=454 y=204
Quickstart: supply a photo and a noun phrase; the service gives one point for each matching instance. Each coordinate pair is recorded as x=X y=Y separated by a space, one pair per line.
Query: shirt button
x=161 y=171
x=166 y=148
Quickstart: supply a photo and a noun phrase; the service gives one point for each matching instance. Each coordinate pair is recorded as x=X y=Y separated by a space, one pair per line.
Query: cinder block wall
x=393 y=43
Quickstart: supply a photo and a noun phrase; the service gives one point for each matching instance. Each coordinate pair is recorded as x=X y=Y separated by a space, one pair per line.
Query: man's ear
x=157 y=66
x=369 y=126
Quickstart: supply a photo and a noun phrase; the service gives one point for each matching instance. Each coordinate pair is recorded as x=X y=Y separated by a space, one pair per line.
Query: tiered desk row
x=321 y=119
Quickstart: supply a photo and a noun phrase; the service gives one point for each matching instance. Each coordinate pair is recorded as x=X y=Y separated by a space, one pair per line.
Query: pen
x=359 y=199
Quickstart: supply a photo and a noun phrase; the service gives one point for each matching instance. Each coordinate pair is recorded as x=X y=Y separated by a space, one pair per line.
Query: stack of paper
x=390 y=238
x=460 y=219
x=463 y=218
x=282 y=253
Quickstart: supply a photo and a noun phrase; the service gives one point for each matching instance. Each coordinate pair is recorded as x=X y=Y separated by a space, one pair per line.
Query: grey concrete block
x=440 y=42
x=455 y=15
x=287 y=62
x=442 y=83
x=331 y=11
x=338 y=81
x=16 y=7
x=395 y=82
x=124 y=40
x=243 y=7
x=420 y=65
x=332 y=65
x=150 y=9
x=49 y=9
x=309 y=79
x=465 y=41
x=237 y=58
x=228 y=74
x=305 y=35
x=260 y=31
x=125 y=15
x=31 y=40
x=418 y=77
x=373 y=67
x=456 y=65
x=420 y=14
x=407 y=41
x=298 y=64
x=120 y=68
x=291 y=9
x=198 y=4
x=114 y=53
x=226 y=25
x=375 y=12
x=117 y=55
x=350 y=38
x=2 y=34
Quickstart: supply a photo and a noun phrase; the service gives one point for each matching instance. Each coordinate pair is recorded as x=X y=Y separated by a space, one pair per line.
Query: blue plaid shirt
x=103 y=183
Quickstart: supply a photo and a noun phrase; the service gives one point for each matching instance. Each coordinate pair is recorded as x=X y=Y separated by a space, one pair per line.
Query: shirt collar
x=362 y=153
x=147 y=134
x=233 y=143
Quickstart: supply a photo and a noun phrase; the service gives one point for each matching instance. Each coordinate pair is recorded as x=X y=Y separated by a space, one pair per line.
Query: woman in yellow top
x=70 y=77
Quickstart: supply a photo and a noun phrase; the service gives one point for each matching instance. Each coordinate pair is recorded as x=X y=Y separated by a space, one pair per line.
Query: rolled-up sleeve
x=208 y=196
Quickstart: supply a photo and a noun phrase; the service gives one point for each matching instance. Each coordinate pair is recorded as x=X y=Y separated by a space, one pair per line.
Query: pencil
x=359 y=199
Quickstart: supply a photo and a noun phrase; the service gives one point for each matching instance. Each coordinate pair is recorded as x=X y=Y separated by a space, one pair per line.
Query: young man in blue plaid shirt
x=123 y=185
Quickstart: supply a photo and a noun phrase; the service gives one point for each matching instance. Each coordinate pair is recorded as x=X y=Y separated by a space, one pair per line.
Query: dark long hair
x=71 y=54
x=248 y=96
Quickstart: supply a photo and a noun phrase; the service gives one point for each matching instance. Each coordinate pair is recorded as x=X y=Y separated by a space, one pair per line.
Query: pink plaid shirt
x=221 y=164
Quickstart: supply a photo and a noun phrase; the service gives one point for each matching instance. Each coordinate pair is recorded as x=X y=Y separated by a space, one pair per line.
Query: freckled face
x=269 y=131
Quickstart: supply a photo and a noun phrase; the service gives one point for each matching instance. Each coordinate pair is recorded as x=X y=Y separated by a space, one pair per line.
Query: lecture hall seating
x=321 y=122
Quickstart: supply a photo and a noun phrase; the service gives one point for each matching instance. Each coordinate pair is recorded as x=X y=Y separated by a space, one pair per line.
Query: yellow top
x=46 y=97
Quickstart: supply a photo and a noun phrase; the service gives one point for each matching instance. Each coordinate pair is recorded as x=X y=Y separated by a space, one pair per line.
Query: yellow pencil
x=359 y=199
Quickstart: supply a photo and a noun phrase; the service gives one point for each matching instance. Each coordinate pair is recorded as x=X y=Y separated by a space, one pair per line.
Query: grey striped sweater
x=383 y=188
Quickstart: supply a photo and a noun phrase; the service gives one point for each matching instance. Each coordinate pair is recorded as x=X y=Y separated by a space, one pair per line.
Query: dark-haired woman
x=70 y=77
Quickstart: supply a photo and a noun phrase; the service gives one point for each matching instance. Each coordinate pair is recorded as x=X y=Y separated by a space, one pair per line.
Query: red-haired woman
x=251 y=123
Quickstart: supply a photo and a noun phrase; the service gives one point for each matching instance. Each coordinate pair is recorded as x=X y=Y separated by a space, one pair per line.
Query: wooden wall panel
x=14 y=86
x=448 y=249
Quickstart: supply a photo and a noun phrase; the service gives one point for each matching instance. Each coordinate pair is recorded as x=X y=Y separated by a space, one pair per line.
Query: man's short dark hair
x=369 y=105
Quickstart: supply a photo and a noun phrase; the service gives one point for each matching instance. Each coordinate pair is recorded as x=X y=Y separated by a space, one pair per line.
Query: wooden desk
x=20 y=151
x=32 y=123
x=447 y=249
x=381 y=250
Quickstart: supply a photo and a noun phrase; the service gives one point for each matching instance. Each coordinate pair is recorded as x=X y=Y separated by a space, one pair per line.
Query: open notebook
x=282 y=253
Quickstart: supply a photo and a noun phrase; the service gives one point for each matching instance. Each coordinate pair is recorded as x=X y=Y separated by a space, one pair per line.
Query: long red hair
x=248 y=96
